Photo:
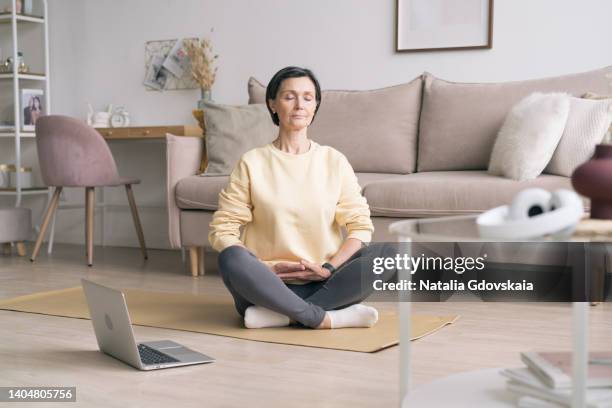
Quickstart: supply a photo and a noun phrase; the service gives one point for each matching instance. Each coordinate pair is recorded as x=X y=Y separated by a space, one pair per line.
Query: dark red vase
x=593 y=179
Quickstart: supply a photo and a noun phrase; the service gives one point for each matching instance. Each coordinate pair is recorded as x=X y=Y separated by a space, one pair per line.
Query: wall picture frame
x=32 y=107
x=443 y=25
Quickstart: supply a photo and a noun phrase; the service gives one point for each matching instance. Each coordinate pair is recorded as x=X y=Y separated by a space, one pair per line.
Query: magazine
x=177 y=62
x=156 y=75
x=555 y=368
x=525 y=383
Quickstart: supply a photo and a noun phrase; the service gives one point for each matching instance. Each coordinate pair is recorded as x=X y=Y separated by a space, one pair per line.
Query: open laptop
x=111 y=322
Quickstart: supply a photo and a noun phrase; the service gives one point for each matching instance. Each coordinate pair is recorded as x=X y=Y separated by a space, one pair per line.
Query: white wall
x=98 y=51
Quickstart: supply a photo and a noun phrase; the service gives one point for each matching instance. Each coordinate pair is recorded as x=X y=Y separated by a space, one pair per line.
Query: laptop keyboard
x=149 y=355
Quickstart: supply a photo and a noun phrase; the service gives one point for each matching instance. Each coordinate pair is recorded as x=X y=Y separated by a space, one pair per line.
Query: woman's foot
x=353 y=316
x=257 y=317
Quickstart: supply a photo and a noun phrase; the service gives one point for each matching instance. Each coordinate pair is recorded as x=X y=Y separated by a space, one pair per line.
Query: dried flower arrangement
x=203 y=68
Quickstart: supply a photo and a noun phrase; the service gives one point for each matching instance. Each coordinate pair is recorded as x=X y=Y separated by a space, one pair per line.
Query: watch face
x=117 y=120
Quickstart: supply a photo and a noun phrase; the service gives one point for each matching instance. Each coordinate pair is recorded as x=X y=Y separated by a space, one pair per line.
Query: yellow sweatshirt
x=292 y=206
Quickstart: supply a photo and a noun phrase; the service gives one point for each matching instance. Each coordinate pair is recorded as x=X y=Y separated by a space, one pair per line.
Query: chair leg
x=193 y=258
x=21 y=249
x=43 y=227
x=51 y=235
x=141 y=239
x=201 y=261
x=86 y=225
x=90 y=196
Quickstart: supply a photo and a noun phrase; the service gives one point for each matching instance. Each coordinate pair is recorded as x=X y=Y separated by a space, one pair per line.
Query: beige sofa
x=419 y=149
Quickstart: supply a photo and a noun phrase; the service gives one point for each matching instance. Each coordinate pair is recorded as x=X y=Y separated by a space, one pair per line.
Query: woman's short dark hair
x=290 y=72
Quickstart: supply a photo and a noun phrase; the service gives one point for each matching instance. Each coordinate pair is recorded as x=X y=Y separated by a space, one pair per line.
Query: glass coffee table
x=483 y=386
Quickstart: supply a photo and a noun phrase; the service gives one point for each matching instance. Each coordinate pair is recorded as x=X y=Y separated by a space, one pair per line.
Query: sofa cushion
x=529 y=136
x=376 y=130
x=448 y=193
x=231 y=131
x=366 y=178
x=459 y=121
x=202 y=192
x=586 y=127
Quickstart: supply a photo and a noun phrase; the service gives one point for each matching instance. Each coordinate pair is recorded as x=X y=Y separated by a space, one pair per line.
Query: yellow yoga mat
x=216 y=315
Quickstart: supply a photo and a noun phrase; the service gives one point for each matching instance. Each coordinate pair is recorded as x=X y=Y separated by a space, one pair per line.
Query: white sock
x=257 y=317
x=353 y=316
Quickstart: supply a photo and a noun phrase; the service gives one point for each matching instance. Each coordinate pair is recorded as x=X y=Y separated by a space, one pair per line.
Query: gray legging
x=251 y=282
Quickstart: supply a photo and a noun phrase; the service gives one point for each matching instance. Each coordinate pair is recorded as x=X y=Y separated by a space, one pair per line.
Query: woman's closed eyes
x=290 y=97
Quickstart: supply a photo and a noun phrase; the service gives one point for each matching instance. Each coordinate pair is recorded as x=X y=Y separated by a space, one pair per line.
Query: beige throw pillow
x=231 y=131
x=376 y=130
x=586 y=127
x=529 y=136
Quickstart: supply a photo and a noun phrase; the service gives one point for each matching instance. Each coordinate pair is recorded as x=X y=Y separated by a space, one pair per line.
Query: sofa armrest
x=183 y=157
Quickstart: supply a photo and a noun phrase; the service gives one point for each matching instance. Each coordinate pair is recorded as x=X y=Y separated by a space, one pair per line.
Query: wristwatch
x=329 y=267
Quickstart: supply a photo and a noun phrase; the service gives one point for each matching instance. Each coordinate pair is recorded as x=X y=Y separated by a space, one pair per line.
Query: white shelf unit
x=17 y=20
x=32 y=77
x=8 y=17
x=11 y=134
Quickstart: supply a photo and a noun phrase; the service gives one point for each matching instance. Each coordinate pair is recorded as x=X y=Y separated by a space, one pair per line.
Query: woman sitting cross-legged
x=292 y=197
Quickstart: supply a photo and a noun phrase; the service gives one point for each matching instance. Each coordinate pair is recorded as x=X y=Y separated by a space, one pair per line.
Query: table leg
x=580 y=354
x=193 y=258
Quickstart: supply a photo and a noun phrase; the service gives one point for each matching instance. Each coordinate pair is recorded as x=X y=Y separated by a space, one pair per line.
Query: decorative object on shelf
x=26 y=177
x=4 y=175
x=18 y=7
x=33 y=108
x=7 y=66
x=28 y=7
x=15 y=227
x=98 y=119
x=593 y=179
x=203 y=69
x=167 y=66
x=425 y=25
x=120 y=117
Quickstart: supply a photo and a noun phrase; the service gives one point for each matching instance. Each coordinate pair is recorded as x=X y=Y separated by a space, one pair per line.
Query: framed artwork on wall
x=439 y=25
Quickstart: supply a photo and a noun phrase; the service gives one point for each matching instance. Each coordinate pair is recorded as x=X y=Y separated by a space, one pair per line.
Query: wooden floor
x=37 y=350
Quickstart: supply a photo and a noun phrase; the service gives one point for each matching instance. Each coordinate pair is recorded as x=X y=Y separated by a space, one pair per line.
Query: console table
x=149 y=132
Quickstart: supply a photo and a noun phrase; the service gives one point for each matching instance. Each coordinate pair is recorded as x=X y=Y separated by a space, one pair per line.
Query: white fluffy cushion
x=586 y=126
x=528 y=138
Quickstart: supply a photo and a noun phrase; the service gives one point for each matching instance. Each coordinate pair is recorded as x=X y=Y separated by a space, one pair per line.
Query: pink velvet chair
x=71 y=154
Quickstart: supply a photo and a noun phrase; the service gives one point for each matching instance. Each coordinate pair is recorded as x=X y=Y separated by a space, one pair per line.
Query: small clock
x=120 y=118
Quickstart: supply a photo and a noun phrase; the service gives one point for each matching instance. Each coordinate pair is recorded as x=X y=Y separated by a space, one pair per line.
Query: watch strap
x=329 y=267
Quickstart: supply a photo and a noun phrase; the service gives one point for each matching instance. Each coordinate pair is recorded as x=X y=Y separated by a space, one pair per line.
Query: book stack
x=546 y=381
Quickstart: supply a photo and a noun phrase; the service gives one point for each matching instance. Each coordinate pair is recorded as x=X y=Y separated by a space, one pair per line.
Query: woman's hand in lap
x=310 y=271
x=287 y=267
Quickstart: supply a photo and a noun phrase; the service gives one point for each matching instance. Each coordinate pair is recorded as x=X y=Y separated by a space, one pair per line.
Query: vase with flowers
x=593 y=179
x=203 y=69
